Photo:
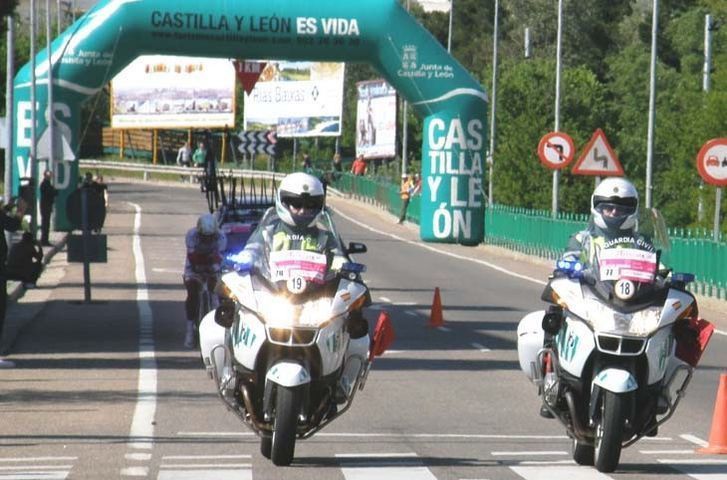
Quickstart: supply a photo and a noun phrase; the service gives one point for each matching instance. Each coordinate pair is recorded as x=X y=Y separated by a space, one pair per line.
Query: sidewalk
x=25 y=304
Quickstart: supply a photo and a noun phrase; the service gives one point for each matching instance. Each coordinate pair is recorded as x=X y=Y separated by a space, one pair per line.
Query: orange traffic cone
x=436 y=319
x=718 y=435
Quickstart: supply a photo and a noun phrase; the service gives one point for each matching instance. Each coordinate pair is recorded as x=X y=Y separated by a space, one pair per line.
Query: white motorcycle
x=279 y=350
x=612 y=357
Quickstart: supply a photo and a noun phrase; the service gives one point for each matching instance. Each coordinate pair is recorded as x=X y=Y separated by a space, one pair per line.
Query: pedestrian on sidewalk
x=48 y=195
x=25 y=261
x=11 y=216
x=406 y=191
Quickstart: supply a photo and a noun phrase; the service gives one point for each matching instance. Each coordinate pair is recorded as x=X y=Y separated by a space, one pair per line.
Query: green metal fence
x=535 y=232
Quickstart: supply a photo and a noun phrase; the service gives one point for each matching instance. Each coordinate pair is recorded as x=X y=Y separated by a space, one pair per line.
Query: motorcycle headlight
x=637 y=324
x=281 y=313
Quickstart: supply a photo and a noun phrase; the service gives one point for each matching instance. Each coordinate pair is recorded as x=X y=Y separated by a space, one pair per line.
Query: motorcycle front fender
x=615 y=380
x=288 y=374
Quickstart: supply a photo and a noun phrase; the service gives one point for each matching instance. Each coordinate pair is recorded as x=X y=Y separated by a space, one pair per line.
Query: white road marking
x=410 y=313
x=549 y=473
x=444 y=329
x=168 y=270
x=207 y=465
x=39 y=459
x=480 y=347
x=39 y=475
x=377 y=466
x=142 y=424
x=720 y=332
x=527 y=454
x=695 y=440
x=702 y=469
x=666 y=452
x=238 y=474
x=141 y=457
x=135 y=471
x=405 y=304
x=547 y=462
x=36 y=467
x=204 y=457
x=385 y=299
x=433 y=249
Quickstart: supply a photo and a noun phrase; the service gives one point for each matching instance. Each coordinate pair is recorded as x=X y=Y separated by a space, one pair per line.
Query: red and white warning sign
x=598 y=158
x=556 y=150
x=248 y=72
x=712 y=162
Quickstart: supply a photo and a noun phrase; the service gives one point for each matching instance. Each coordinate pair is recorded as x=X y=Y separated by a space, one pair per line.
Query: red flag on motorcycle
x=692 y=336
x=383 y=336
x=248 y=72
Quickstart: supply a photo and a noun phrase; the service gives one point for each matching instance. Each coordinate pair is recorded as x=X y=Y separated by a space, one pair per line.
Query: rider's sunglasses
x=307 y=203
x=614 y=208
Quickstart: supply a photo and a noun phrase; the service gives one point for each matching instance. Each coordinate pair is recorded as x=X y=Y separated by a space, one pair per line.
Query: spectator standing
x=336 y=167
x=48 y=195
x=25 y=261
x=184 y=155
x=359 y=166
x=199 y=158
x=307 y=163
x=406 y=191
x=10 y=220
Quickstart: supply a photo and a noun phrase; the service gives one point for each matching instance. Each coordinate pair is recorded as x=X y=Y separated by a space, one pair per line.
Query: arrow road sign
x=556 y=150
x=257 y=141
x=598 y=158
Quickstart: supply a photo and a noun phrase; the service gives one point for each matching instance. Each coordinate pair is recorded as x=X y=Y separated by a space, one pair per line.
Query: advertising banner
x=376 y=119
x=297 y=99
x=157 y=91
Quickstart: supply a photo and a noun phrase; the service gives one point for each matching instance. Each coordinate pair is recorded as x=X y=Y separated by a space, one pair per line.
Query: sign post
x=712 y=167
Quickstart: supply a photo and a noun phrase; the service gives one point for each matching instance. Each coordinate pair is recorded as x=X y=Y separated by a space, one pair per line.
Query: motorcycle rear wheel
x=609 y=432
x=287 y=407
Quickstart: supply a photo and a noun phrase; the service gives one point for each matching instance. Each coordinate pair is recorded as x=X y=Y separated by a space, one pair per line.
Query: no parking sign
x=712 y=162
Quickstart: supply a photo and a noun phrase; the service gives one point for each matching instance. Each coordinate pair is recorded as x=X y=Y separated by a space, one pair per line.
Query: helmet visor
x=617 y=210
x=302 y=202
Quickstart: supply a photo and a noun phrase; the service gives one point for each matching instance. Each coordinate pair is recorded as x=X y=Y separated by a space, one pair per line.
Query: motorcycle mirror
x=225 y=314
x=356 y=247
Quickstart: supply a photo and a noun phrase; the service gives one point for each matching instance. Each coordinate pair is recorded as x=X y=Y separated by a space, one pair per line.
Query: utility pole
x=9 y=109
x=493 y=107
x=405 y=130
x=449 y=35
x=557 y=101
x=652 y=104
x=51 y=127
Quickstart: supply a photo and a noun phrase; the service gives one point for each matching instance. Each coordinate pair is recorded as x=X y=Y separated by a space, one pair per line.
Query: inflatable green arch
x=111 y=35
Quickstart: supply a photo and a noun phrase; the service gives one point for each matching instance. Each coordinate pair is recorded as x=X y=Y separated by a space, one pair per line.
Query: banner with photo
x=376 y=119
x=159 y=91
x=297 y=99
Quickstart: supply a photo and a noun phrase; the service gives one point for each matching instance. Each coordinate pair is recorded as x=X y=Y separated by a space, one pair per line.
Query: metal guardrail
x=148 y=170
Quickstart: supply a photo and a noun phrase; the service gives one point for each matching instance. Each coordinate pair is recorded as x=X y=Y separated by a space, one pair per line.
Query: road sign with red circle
x=712 y=162
x=556 y=150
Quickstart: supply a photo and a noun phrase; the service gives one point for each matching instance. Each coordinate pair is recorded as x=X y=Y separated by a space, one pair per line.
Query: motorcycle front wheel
x=582 y=453
x=266 y=445
x=287 y=407
x=609 y=432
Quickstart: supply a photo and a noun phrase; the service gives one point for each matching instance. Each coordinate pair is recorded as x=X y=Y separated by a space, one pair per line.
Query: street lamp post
x=557 y=101
x=652 y=104
x=493 y=109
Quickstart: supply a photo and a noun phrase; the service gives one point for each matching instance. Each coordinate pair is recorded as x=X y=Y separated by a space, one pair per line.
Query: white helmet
x=619 y=200
x=300 y=200
x=207 y=225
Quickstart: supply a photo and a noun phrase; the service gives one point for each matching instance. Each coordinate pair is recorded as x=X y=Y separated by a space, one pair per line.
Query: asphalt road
x=106 y=390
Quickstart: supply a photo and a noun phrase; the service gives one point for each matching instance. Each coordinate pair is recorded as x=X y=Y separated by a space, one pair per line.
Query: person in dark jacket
x=48 y=195
x=25 y=261
x=10 y=220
